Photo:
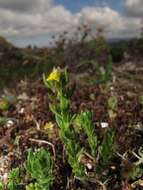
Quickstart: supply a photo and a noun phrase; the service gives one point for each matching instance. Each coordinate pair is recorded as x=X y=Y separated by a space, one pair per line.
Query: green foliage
x=14 y=179
x=107 y=148
x=73 y=150
x=112 y=102
x=1 y=186
x=112 y=106
x=103 y=73
x=40 y=166
x=137 y=169
x=31 y=186
x=64 y=118
x=85 y=119
x=3 y=120
x=70 y=136
x=104 y=149
x=136 y=172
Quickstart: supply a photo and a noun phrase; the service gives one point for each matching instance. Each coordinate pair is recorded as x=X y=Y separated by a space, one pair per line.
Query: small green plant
x=31 y=186
x=1 y=186
x=3 y=120
x=85 y=119
x=107 y=148
x=137 y=168
x=136 y=172
x=102 y=151
x=40 y=166
x=14 y=179
x=112 y=102
x=112 y=106
x=103 y=73
x=57 y=81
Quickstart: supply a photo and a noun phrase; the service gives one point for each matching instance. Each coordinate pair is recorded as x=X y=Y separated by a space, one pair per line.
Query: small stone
x=104 y=124
x=89 y=166
x=21 y=111
x=9 y=123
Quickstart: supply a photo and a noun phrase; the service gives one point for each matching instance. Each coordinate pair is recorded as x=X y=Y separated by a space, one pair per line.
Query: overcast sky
x=26 y=22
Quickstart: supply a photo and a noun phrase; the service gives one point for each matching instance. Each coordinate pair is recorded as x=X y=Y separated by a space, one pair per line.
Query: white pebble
x=9 y=123
x=89 y=166
x=104 y=124
x=21 y=111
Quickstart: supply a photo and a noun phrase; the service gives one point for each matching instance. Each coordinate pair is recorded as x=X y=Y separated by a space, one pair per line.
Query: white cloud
x=36 y=18
x=55 y=20
x=134 y=7
x=111 y=21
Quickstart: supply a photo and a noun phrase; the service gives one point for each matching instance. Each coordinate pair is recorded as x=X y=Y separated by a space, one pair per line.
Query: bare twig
x=45 y=142
x=88 y=155
x=37 y=124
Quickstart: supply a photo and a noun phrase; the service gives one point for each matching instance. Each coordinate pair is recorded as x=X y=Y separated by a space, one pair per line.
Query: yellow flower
x=50 y=130
x=54 y=75
x=48 y=127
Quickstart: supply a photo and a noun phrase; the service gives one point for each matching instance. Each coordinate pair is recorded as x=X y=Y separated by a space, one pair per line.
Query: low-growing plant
x=57 y=81
x=85 y=119
x=106 y=150
x=136 y=172
x=112 y=102
x=31 y=186
x=3 y=120
x=1 y=186
x=101 y=150
x=14 y=179
x=112 y=106
x=103 y=73
x=40 y=167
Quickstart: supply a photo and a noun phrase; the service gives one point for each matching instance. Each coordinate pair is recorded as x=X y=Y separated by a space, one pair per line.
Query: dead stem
x=37 y=124
x=88 y=155
x=45 y=142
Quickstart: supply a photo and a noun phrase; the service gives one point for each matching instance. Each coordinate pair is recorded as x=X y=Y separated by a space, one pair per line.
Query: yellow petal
x=54 y=75
x=48 y=126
